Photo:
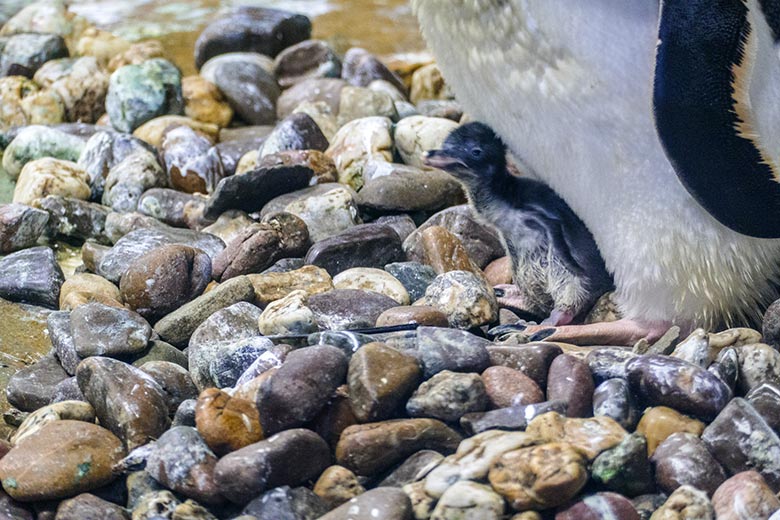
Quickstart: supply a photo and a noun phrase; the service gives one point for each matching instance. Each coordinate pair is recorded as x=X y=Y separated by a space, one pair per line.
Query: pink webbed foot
x=558 y=318
x=622 y=332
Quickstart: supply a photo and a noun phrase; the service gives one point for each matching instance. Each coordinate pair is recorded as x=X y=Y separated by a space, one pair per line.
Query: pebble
x=382 y=502
x=613 y=399
x=86 y=506
x=251 y=191
x=366 y=245
x=164 y=279
x=440 y=349
x=533 y=360
x=233 y=323
x=192 y=164
x=255 y=29
x=285 y=503
x=476 y=302
x=598 y=506
x=685 y=502
x=407 y=314
x=570 y=380
x=337 y=485
x=369 y=449
x=413 y=469
x=361 y=68
x=136 y=54
x=473 y=459
x=182 y=462
x=288 y=315
x=171 y=207
x=153 y=131
x=139 y=93
x=31 y=387
x=481 y=241
x=357 y=144
x=513 y=418
x=416 y=135
x=660 y=422
x=154 y=503
x=173 y=379
x=539 y=477
x=414 y=276
x=24 y=103
x=301 y=387
x=177 y=327
x=49 y=176
x=127 y=401
x=508 y=387
x=396 y=187
x=86 y=454
x=227 y=423
x=347 y=309
x=23 y=54
x=372 y=279
x=448 y=396
x=765 y=398
x=74 y=218
x=290 y=458
x=469 y=500
x=272 y=286
x=61 y=411
x=683 y=459
x=668 y=381
x=758 y=363
x=20 y=227
x=129 y=178
x=305 y=60
x=42 y=278
x=38 y=142
x=247 y=84
x=81 y=84
x=103 y=330
x=203 y=101
x=257 y=248
x=625 y=468
x=744 y=495
x=380 y=379
x=445 y=252
x=311 y=91
x=740 y=440
x=326 y=212
x=590 y=436
x=295 y=132
x=428 y=83
x=359 y=102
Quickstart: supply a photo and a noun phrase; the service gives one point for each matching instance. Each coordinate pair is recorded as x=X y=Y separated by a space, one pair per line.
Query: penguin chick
x=551 y=250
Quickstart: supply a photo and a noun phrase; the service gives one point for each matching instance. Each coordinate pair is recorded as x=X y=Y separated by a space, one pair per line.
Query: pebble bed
x=243 y=234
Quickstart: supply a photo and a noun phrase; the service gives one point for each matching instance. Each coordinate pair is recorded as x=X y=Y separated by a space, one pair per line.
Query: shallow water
x=381 y=26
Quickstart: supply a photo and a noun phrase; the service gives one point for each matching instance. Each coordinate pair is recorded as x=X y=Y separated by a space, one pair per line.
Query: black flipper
x=703 y=123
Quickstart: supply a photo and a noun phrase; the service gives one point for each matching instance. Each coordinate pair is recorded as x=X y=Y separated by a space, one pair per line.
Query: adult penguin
x=658 y=122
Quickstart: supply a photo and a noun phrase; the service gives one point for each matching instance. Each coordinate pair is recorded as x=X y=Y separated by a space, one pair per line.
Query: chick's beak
x=442 y=160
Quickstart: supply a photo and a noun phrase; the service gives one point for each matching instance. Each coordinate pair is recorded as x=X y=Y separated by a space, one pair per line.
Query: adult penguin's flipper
x=717 y=107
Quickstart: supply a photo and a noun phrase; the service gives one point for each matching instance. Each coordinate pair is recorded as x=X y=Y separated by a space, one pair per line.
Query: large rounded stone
x=42 y=278
x=365 y=245
x=127 y=401
x=102 y=330
x=539 y=477
x=192 y=163
x=660 y=422
x=20 y=227
x=380 y=381
x=381 y=502
x=464 y=297
x=182 y=462
x=288 y=458
x=301 y=387
x=48 y=176
x=683 y=459
x=138 y=93
x=38 y=142
x=227 y=423
x=86 y=454
x=81 y=84
x=255 y=29
x=164 y=279
x=369 y=449
x=745 y=495
x=448 y=396
x=306 y=60
x=589 y=437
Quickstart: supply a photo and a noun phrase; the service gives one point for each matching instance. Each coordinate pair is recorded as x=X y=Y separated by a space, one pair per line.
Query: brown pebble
x=509 y=387
x=226 y=423
x=337 y=485
x=660 y=422
x=445 y=252
x=570 y=380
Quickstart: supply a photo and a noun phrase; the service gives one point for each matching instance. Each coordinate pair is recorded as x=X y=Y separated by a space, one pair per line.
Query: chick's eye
x=476 y=153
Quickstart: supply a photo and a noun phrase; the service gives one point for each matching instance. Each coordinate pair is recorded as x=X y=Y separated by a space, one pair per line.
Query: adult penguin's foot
x=619 y=333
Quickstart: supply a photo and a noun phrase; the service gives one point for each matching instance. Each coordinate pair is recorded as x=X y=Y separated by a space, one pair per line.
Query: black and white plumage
x=655 y=120
x=556 y=264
